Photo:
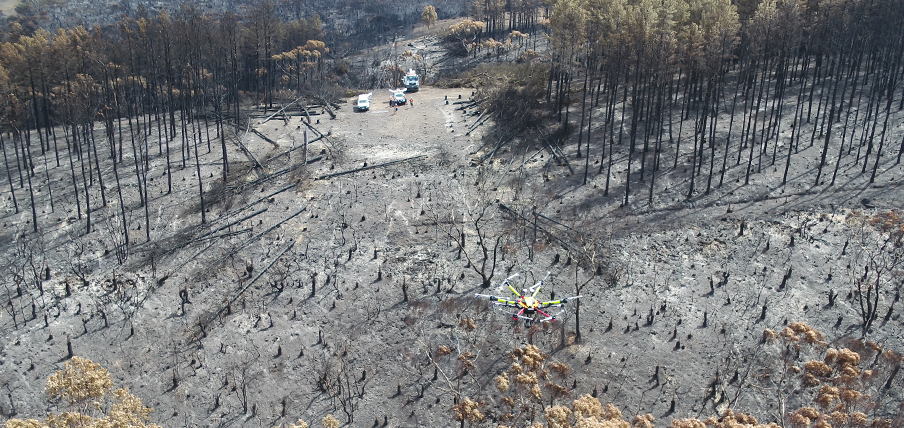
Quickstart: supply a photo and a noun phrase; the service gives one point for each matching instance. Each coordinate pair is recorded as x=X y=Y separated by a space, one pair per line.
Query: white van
x=363 y=102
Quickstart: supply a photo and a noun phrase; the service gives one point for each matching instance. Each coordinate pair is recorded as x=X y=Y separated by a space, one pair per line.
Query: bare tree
x=471 y=215
x=875 y=258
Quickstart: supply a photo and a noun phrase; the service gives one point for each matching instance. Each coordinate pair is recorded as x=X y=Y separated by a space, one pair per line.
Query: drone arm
x=539 y=285
x=499 y=300
x=506 y=283
x=558 y=302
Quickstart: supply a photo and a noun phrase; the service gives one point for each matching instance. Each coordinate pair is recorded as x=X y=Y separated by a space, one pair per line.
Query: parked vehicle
x=411 y=81
x=363 y=102
x=399 y=98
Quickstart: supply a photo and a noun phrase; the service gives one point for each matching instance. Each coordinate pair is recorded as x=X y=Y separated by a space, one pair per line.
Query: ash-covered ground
x=323 y=278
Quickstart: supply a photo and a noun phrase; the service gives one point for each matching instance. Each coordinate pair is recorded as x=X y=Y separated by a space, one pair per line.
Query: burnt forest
x=579 y=214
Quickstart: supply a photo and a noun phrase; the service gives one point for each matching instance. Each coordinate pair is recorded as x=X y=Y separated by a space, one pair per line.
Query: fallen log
x=273 y=175
x=381 y=165
x=320 y=135
x=552 y=150
x=248 y=241
x=480 y=120
x=540 y=228
x=281 y=110
x=499 y=144
x=306 y=113
x=249 y=205
x=250 y=283
x=294 y=149
x=326 y=106
x=224 y=235
x=556 y=222
x=264 y=137
x=204 y=235
x=248 y=152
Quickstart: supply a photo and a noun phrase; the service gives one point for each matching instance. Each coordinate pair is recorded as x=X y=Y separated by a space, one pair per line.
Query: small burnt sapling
x=183 y=296
x=313 y=283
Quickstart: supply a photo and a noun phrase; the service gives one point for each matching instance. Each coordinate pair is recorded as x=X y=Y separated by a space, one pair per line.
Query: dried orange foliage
x=502 y=382
x=687 y=423
x=526 y=379
x=589 y=413
x=467 y=360
x=531 y=357
x=467 y=324
x=643 y=421
x=817 y=368
x=80 y=380
x=529 y=378
x=889 y=222
x=526 y=372
x=87 y=388
x=844 y=387
x=467 y=409
x=729 y=420
x=330 y=421
x=558 y=417
x=561 y=368
x=800 y=332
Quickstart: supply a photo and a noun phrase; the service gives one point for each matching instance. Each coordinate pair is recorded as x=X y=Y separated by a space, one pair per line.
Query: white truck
x=411 y=81
x=364 y=102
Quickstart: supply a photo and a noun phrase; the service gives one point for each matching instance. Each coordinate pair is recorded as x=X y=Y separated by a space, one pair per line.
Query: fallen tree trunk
x=560 y=157
x=247 y=152
x=273 y=175
x=336 y=174
x=250 y=283
x=264 y=137
x=248 y=241
x=326 y=106
x=281 y=110
x=294 y=149
x=534 y=223
x=202 y=236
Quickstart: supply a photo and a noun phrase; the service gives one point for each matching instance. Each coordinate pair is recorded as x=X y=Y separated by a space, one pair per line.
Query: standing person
x=411 y=102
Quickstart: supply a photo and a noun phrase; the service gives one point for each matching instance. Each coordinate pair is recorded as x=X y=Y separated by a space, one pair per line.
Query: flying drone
x=530 y=309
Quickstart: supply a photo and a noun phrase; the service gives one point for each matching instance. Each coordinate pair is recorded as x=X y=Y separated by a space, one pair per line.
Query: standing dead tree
x=336 y=379
x=472 y=215
x=876 y=256
x=592 y=261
